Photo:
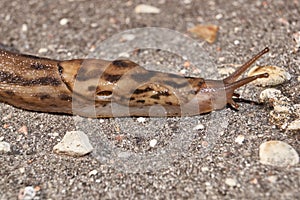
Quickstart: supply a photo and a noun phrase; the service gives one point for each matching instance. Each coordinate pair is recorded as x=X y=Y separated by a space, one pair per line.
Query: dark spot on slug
x=10 y=78
x=140 y=91
x=132 y=99
x=155 y=96
x=92 y=88
x=39 y=66
x=174 y=76
x=104 y=93
x=9 y=92
x=104 y=105
x=169 y=103
x=60 y=69
x=176 y=85
x=140 y=101
x=111 y=78
x=84 y=74
x=46 y=81
x=143 y=77
x=120 y=63
x=65 y=97
x=43 y=96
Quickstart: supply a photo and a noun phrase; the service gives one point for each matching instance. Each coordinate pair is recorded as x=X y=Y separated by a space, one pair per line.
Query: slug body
x=120 y=88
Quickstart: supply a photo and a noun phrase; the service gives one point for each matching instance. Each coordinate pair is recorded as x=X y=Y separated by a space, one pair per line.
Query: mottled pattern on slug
x=32 y=83
x=99 y=88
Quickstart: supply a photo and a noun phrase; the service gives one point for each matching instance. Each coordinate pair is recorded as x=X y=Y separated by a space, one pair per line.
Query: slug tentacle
x=244 y=67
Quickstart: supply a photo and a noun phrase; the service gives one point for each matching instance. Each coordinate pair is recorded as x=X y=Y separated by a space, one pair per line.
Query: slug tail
x=233 y=77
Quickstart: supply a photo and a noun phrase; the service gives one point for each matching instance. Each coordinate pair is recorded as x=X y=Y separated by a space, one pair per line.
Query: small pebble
x=27 y=193
x=4 y=147
x=144 y=8
x=93 y=172
x=23 y=130
x=152 y=143
x=204 y=169
x=219 y=16
x=269 y=93
x=277 y=75
x=124 y=55
x=236 y=42
x=294 y=125
x=277 y=153
x=141 y=119
x=74 y=143
x=128 y=37
x=231 y=182
x=43 y=50
x=22 y=170
x=272 y=179
x=240 y=139
x=207 y=32
x=198 y=127
x=63 y=21
x=24 y=28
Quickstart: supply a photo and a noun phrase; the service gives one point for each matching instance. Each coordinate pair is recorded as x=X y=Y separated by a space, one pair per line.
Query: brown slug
x=119 y=88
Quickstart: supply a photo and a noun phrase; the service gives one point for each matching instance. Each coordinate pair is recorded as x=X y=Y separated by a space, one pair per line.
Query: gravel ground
x=185 y=163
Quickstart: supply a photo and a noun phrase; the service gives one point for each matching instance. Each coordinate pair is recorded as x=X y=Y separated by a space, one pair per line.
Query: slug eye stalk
x=231 y=84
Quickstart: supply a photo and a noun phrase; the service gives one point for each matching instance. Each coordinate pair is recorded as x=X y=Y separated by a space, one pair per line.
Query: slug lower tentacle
x=99 y=88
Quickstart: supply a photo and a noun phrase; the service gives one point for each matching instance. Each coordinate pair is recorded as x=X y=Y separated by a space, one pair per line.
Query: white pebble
x=219 y=16
x=294 y=125
x=240 y=139
x=198 y=127
x=280 y=107
x=141 y=119
x=183 y=71
x=4 y=147
x=43 y=50
x=124 y=55
x=272 y=179
x=128 y=37
x=152 y=143
x=231 y=182
x=236 y=42
x=24 y=28
x=270 y=93
x=204 y=169
x=143 y=8
x=93 y=172
x=221 y=59
x=63 y=21
x=22 y=170
x=74 y=143
x=277 y=75
x=27 y=193
x=277 y=153
x=187 y=1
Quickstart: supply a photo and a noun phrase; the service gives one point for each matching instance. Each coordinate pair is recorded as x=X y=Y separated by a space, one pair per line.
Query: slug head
x=231 y=84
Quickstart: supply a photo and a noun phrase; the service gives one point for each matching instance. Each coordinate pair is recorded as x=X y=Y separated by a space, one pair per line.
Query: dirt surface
x=193 y=164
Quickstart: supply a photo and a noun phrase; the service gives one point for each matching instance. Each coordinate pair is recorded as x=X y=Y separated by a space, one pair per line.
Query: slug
x=99 y=88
